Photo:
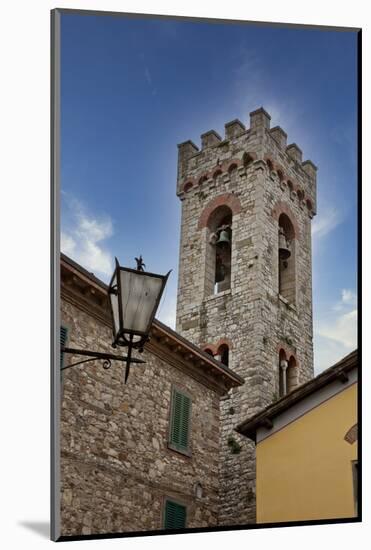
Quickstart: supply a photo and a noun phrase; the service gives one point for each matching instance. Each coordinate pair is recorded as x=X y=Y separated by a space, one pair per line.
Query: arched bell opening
x=286 y=259
x=219 y=251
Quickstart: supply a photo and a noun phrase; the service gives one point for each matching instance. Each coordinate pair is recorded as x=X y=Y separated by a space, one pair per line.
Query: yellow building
x=306 y=449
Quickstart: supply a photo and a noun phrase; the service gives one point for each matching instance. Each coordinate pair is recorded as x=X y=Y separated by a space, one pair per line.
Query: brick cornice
x=214 y=347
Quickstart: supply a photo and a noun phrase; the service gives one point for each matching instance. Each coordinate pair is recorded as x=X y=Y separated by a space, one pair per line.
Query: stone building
x=244 y=291
x=141 y=456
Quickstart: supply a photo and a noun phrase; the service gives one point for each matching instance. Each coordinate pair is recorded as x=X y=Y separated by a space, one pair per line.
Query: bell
x=223 y=239
x=283 y=249
x=219 y=272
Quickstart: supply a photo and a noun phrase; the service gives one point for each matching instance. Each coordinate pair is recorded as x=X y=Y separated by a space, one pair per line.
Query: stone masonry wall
x=116 y=467
x=254 y=173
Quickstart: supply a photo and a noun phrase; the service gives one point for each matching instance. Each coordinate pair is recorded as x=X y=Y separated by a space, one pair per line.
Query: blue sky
x=132 y=89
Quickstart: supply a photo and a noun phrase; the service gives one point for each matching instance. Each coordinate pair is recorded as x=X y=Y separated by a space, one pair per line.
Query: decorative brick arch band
x=352 y=434
x=288 y=352
x=283 y=208
x=209 y=347
x=223 y=342
x=215 y=347
x=227 y=199
x=219 y=169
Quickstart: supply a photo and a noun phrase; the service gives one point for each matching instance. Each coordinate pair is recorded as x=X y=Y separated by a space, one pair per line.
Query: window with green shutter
x=180 y=421
x=63 y=342
x=175 y=515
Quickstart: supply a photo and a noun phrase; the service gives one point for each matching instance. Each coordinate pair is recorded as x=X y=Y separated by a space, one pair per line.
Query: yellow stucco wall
x=304 y=471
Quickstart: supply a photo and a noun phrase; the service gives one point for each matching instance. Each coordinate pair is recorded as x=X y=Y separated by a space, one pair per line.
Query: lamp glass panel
x=115 y=307
x=140 y=292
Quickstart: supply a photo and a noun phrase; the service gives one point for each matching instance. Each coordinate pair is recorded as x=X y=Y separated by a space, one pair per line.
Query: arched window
x=286 y=259
x=219 y=251
x=223 y=353
x=282 y=370
x=288 y=373
x=292 y=374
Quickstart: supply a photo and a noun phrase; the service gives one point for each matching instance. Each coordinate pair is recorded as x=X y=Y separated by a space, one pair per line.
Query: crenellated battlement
x=240 y=145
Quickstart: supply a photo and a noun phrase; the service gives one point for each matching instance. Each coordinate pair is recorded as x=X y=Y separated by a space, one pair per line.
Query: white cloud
x=343 y=329
x=348 y=297
x=336 y=335
x=83 y=238
x=326 y=221
x=327 y=352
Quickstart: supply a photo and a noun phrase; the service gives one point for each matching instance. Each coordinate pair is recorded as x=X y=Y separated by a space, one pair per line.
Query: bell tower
x=245 y=277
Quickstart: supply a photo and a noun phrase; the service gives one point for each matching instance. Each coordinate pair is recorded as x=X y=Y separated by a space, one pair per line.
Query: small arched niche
x=247 y=159
x=232 y=168
x=188 y=186
x=218 y=251
x=286 y=259
x=217 y=173
x=300 y=194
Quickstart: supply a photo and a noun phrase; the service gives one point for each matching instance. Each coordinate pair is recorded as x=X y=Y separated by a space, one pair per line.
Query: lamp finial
x=140 y=264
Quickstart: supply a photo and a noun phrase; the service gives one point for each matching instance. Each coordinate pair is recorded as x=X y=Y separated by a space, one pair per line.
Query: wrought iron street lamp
x=134 y=296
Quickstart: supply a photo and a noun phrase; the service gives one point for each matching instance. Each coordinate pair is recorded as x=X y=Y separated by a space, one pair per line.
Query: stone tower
x=245 y=270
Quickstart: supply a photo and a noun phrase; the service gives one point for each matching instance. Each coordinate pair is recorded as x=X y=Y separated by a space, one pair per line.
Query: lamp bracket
x=97 y=356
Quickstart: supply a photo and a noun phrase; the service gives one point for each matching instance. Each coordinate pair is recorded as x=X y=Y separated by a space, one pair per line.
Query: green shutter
x=63 y=341
x=180 y=417
x=175 y=515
